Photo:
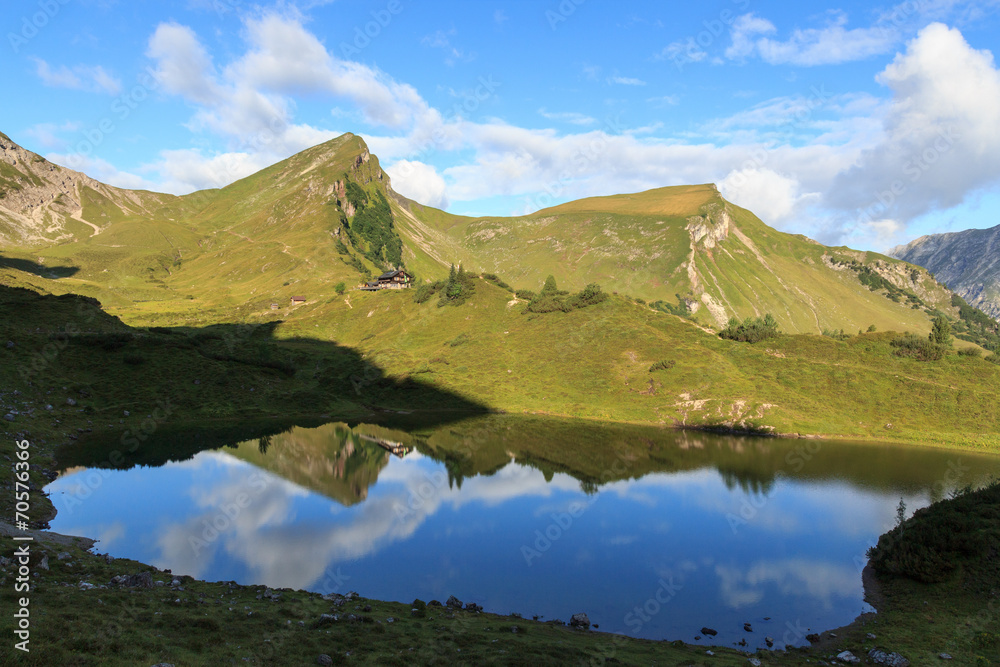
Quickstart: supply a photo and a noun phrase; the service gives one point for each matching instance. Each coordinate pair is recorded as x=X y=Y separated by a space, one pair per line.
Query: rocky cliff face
x=967 y=262
x=40 y=200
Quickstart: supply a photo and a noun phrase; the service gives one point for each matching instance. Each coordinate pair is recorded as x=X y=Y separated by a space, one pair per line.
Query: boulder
x=848 y=657
x=881 y=657
x=747 y=627
x=472 y=606
x=769 y=641
x=709 y=631
x=579 y=621
x=324 y=660
x=454 y=602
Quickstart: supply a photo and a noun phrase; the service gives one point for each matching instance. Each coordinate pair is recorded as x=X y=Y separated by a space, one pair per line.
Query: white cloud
x=940 y=138
x=626 y=81
x=573 y=117
x=93 y=79
x=682 y=52
x=774 y=198
x=828 y=45
x=47 y=134
x=419 y=182
x=745 y=29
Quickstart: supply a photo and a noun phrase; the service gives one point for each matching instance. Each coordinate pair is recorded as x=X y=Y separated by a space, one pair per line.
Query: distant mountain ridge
x=328 y=215
x=967 y=262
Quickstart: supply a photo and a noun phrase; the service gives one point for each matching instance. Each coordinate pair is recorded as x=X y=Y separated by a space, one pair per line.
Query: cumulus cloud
x=420 y=182
x=773 y=197
x=940 y=139
x=93 y=79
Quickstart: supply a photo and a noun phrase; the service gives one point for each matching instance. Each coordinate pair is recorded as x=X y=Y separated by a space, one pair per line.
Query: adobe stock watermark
x=121 y=108
x=561 y=522
x=758 y=158
x=916 y=165
x=795 y=461
x=584 y=157
x=562 y=12
x=666 y=590
x=692 y=48
x=225 y=516
x=130 y=441
x=32 y=24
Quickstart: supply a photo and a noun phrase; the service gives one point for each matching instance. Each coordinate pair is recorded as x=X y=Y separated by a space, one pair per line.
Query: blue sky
x=852 y=123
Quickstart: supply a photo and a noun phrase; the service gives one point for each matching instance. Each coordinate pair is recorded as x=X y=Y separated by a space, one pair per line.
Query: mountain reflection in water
x=652 y=532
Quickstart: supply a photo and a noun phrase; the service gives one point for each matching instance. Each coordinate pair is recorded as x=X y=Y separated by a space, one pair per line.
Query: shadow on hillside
x=41 y=270
x=164 y=393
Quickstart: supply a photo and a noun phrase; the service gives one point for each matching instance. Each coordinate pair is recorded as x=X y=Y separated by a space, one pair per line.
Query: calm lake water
x=652 y=533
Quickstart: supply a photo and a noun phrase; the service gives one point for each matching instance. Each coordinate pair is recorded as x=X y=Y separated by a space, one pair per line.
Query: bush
x=915 y=347
x=340 y=288
x=427 y=290
x=871 y=328
x=970 y=352
x=551 y=299
x=525 y=294
x=460 y=339
x=458 y=288
x=751 y=330
x=493 y=278
x=994 y=358
x=836 y=334
x=662 y=365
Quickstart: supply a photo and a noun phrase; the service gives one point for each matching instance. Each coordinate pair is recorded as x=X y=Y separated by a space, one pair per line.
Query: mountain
x=967 y=262
x=328 y=215
x=687 y=248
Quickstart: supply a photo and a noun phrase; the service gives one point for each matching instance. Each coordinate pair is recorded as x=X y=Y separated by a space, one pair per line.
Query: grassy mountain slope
x=684 y=245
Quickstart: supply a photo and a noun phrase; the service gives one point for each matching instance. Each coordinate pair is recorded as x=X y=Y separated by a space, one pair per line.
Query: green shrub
x=458 y=288
x=641 y=302
x=662 y=365
x=340 y=287
x=460 y=339
x=751 y=330
x=427 y=290
x=836 y=334
x=915 y=347
x=525 y=294
x=493 y=278
x=970 y=352
x=956 y=534
x=871 y=328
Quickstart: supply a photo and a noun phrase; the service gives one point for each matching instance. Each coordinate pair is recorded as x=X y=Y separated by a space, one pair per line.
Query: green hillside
x=685 y=246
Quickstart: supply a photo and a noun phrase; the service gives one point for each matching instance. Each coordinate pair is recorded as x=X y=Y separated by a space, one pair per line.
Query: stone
x=579 y=621
x=747 y=627
x=126 y=412
x=434 y=603
x=754 y=661
x=472 y=606
x=64 y=555
x=326 y=619
x=881 y=657
x=769 y=641
x=454 y=602
x=324 y=660
x=70 y=402
x=709 y=631
x=870 y=636
x=709 y=653
x=944 y=656
x=44 y=563
x=109 y=559
x=48 y=406
x=10 y=345
x=848 y=657
x=9 y=417
x=140 y=580
x=86 y=586
x=812 y=638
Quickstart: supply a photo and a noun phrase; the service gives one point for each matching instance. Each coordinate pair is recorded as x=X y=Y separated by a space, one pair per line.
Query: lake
x=652 y=532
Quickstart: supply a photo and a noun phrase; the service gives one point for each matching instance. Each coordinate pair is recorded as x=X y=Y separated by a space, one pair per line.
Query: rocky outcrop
x=40 y=200
x=967 y=262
